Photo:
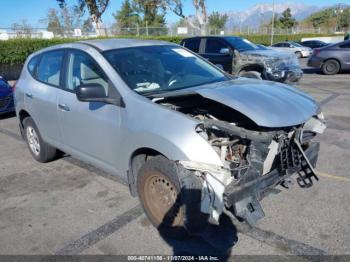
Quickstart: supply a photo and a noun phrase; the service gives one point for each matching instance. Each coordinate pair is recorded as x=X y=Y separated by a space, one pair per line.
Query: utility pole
x=146 y=27
x=273 y=21
x=240 y=26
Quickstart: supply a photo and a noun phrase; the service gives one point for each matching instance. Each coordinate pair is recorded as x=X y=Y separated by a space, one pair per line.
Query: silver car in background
x=293 y=47
x=190 y=140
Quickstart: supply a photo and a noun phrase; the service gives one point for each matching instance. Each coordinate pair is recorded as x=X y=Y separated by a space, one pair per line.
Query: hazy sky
x=33 y=10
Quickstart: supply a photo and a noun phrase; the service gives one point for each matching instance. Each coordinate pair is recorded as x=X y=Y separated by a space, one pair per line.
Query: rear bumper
x=243 y=199
x=306 y=53
x=314 y=62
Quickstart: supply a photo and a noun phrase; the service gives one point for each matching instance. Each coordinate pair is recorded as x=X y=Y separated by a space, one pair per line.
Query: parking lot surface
x=69 y=207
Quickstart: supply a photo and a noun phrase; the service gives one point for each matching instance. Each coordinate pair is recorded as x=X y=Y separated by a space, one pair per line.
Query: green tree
x=152 y=11
x=96 y=9
x=63 y=22
x=87 y=25
x=344 y=19
x=287 y=21
x=321 y=18
x=126 y=16
x=277 y=22
x=53 y=22
x=217 y=20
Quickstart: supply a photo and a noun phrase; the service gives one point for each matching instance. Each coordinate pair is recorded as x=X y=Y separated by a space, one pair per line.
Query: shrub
x=15 y=51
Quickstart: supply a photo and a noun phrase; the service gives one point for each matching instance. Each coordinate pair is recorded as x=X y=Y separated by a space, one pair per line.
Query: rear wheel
x=39 y=149
x=330 y=67
x=250 y=74
x=159 y=190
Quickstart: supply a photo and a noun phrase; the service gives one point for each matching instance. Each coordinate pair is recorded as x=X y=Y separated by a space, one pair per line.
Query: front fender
x=185 y=147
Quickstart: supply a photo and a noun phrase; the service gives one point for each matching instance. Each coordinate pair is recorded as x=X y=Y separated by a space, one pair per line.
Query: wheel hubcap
x=161 y=200
x=330 y=67
x=33 y=140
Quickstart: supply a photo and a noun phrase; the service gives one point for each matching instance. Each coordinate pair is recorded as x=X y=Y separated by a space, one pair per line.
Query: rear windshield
x=296 y=44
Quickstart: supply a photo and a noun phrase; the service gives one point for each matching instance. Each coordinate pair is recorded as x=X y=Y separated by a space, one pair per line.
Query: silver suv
x=191 y=141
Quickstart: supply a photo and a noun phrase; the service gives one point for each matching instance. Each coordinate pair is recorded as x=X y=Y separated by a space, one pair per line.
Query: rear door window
x=193 y=44
x=49 y=68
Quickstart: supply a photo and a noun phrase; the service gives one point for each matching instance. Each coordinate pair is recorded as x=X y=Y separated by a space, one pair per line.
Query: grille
x=4 y=102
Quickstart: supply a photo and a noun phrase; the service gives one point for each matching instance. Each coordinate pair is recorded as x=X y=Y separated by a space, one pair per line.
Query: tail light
x=316 y=51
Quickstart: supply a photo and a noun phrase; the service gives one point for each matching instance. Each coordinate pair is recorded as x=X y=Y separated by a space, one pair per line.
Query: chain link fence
x=43 y=33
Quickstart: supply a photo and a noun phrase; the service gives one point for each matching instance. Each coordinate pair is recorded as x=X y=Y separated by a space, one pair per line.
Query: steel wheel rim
x=160 y=199
x=33 y=140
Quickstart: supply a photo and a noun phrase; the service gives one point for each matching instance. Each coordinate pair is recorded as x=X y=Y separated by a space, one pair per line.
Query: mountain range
x=262 y=13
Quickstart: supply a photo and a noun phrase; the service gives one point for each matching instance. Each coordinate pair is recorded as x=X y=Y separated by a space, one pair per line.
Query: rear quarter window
x=32 y=65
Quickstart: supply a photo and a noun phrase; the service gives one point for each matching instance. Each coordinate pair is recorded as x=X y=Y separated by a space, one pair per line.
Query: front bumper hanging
x=243 y=200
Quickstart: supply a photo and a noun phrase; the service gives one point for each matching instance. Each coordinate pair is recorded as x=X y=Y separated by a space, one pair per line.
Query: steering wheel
x=174 y=79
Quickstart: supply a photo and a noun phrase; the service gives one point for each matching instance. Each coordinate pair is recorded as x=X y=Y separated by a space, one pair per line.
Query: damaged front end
x=255 y=159
x=278 y=66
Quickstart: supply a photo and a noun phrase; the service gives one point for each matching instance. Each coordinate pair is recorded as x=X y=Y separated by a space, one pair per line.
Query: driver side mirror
x=225 y=51
x=91 y=93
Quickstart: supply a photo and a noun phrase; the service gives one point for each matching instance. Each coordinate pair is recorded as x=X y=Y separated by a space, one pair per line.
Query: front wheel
x=250 y=74
x=39 y=149
x=159 y=190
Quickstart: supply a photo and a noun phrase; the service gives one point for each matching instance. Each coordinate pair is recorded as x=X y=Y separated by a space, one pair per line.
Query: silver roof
x=108 y=44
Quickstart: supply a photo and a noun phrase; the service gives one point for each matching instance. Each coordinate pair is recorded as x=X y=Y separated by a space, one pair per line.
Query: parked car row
x=240 y=57
x=191 y=141
x=331 y=58
x=278 y=62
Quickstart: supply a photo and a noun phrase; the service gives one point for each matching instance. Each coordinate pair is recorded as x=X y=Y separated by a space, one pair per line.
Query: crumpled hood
x=268 y=104
x=271 y=58
x=268 y=53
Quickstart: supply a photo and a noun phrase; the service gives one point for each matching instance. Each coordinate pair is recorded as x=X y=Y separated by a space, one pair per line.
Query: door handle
x=29 y=95
x=63 y=107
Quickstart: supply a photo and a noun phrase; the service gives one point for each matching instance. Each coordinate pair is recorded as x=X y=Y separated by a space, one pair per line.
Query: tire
x=250 y=74
x=40 y=150
x=298 y=54
x=159 y=191
x=330 y=67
